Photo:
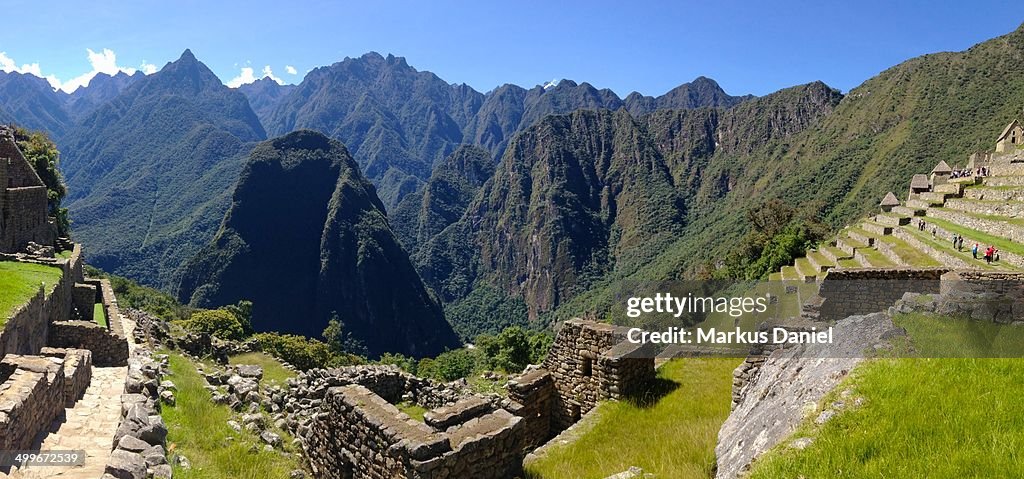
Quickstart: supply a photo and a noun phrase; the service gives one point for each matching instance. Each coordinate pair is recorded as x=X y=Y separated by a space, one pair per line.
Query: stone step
x=876 y=229
x=1004 y=193
x=994 y=226
x=955 y=189
x=1003 y=181
x=789 y=273
x=909 y=211
x=885 y=245
x=1008 y=209
x=888 y=219
x=860 y=236
x=934 y=197
x=819 y=261
x=872 y=258
x=835 y=254
x=805 y=270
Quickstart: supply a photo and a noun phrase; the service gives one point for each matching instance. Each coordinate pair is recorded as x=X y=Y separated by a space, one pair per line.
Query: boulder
x=126 y=465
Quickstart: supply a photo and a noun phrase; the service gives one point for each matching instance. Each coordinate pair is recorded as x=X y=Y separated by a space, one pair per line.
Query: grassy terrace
x=947 y=247
x=922 y=417
x=99 y=315
x=1001 y=219
x=20 y=281
x=673 y=437
x=997 y=241
x=877 y=259
x=910 y=255
x=198 y=429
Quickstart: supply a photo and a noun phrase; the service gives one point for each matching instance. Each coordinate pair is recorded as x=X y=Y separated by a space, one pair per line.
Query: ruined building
x=23 y=202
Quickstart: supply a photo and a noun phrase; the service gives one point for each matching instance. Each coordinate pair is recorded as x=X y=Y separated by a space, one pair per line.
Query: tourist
x=933 y=232
x=988 y=255
x=960 y=244
x=974 y=251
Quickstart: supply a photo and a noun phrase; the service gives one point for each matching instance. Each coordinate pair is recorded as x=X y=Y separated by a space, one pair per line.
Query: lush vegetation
x=19 y=282
x=486 y=310
x=197 y=429
x=218 y=322
x=41 y=152
x=509 y=352
x=949 y=413
x=131 y=295
x=302 y=352
x=777 y=235
x=673 y=435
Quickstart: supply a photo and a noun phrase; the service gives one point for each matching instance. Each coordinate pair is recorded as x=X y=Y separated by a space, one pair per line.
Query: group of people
x=990 y=254
x=966 y=172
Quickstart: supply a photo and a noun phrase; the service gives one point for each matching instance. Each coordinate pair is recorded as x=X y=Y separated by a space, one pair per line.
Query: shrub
x=217 y=322
x=302 y=352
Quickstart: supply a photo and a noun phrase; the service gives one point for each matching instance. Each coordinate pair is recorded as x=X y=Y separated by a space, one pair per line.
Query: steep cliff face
x=582 y=198
x=306 y=239
x=444 y=198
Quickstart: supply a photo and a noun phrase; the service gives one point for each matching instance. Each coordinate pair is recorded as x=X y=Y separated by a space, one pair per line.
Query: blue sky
x=747 y=46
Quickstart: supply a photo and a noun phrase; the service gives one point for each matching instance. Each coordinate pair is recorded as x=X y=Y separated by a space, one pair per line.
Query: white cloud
x=104 y=61
x=291 y=70
x=551 y=84
x=147 y=68
x=248 y=75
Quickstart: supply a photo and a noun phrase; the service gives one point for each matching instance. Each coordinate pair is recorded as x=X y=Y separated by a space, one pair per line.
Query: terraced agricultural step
x=942 y=251
x=955 y=189
x=1003 y=181
x=819 y=262
x=1011 y=255
x=805 y=270
x=918 y=203
x=876 y=229
x=884 y=245
x=909 y=255
x=789 y=273
x=999 y=193
x=851 y=263
x=860 y=236
x=998 y=227
x=934 y=197
x=1016 y=169
x=835 y=254
x=909 y=211
x=1009 y=209
x=894 y=220
x=848 y=245
x=872 y=258
x=775 y=277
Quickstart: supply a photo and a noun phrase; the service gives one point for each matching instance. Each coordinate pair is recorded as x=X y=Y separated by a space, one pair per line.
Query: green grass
x=98 y=315
x=675 y=437
x=910 y=255
x=947 y=247
x=273 y=371
x=922 y=417
x=64 y=254
x=20 y=281
x=414 y=410
x=849 y=263
x=985 y=238
x=198 y=429
x=1002 y=219
x=876 y=258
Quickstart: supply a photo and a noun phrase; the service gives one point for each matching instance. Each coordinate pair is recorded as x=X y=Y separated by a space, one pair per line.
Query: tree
x=217 y=322
x=242 y=311
x=42 y=154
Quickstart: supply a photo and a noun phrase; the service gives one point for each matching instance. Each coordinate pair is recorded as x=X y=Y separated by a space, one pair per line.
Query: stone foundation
x=849 y=292
x=77 y=371
x=107 y=349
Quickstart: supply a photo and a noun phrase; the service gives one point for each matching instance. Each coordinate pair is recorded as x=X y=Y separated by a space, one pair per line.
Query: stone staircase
x=984 y=210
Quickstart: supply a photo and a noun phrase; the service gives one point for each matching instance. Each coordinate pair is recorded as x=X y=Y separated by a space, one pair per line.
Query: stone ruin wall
x=850 y=292
x=27 y=330
x=28 y=404
x=23 y=200
x=109 y=345
x=356 y=431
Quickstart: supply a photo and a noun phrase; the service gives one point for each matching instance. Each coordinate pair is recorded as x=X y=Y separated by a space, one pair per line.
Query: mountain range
x=535 y=202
